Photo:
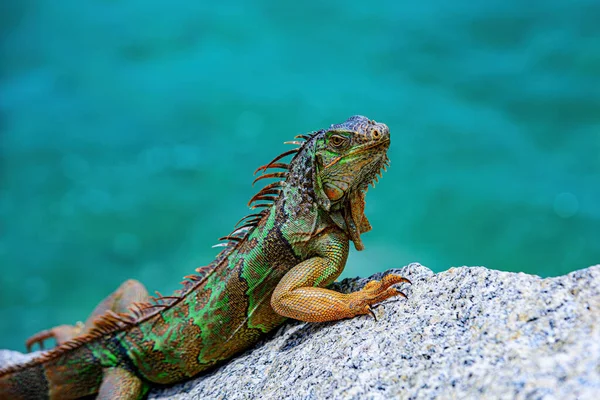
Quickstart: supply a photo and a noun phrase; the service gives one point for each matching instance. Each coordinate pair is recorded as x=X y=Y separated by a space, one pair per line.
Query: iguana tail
x=65 y=375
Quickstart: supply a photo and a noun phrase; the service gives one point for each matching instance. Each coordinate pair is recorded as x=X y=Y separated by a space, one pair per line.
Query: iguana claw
x=372 y=312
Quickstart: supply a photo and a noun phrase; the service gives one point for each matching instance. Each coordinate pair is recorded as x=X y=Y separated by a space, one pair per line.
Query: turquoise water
x=130 y=130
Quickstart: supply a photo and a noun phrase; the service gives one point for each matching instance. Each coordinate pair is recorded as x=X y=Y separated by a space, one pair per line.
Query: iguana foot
x=119 y=301
x=61 y=334
x=121 y=383
x=363 y=301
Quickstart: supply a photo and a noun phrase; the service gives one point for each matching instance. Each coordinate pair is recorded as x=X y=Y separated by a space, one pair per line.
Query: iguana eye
x=338 y=141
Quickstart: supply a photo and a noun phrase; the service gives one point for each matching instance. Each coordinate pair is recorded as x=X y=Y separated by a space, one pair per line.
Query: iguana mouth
x=381 y=143
x=365 y=148
x=370 y=174
x=374 y=170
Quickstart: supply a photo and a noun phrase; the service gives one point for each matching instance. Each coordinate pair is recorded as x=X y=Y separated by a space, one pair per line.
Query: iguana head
x=348 y=157
x=329 y=174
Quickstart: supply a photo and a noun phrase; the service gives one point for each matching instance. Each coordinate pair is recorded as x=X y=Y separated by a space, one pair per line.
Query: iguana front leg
x=119 y=301
x=300 y=293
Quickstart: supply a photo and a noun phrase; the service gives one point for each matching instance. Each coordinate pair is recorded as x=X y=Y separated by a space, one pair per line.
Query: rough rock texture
x=462 y=333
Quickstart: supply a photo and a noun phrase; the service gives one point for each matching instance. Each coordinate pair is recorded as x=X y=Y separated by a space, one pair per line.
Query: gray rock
x=462 y=333
x=9 y=357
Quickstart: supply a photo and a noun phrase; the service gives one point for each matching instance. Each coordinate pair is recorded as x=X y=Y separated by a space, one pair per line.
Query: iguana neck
x=305 y=202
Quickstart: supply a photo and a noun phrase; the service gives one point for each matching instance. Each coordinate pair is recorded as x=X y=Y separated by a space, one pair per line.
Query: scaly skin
x=276 y=266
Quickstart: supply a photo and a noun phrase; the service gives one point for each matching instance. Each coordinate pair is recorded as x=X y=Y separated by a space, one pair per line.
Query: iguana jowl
x=276 y=264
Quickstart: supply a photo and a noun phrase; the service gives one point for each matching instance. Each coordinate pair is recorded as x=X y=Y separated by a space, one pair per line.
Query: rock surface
x=462 y=333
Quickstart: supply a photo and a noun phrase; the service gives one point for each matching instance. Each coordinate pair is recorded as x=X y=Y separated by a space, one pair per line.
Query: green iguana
x=275 y=265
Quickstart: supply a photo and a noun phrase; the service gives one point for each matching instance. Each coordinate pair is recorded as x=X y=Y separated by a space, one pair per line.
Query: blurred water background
x=130 y=130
